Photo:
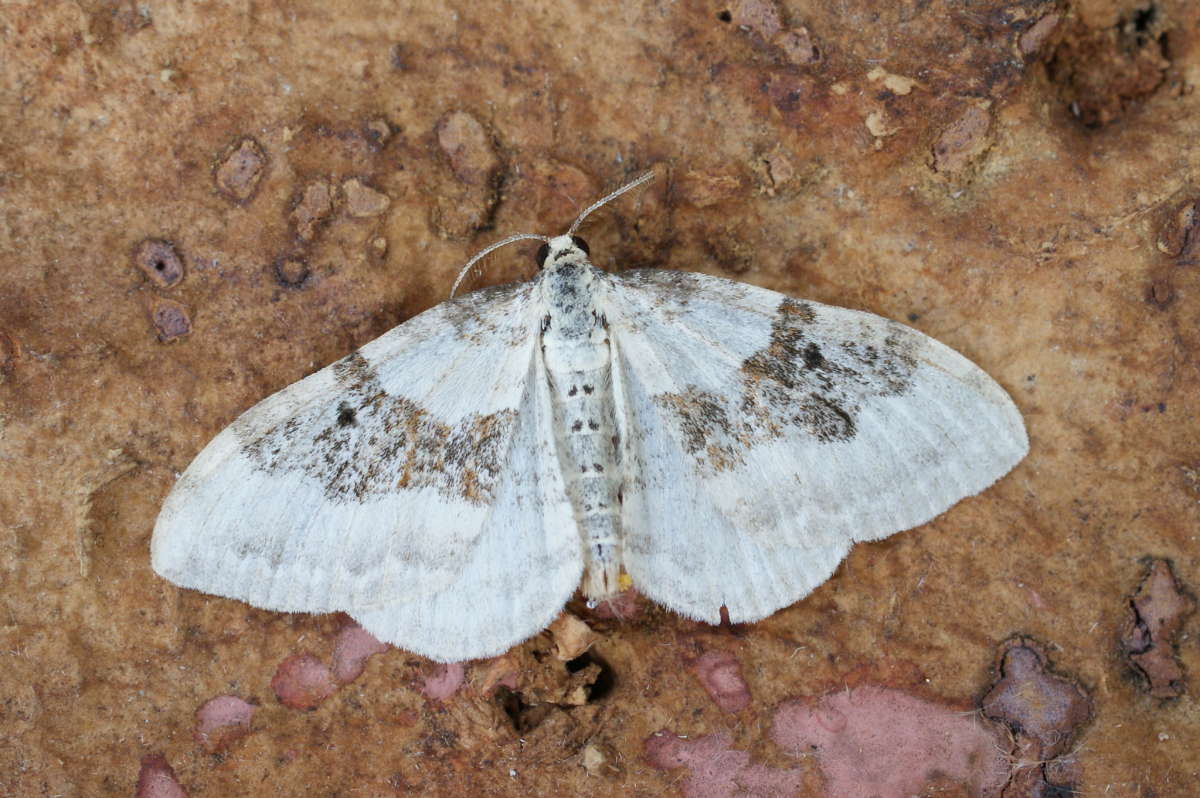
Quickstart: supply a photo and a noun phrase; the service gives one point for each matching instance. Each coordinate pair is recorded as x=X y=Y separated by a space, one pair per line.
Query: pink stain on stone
x=721 y=675
x=351 y=650
x=499 y=672
x=222 y=721
x=444 y=682
x=888 y=744
x=621 y=607
x=718 y=770
x=156 y=779
x=302 y=682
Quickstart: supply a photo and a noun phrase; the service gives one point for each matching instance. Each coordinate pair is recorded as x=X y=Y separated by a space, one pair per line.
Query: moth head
x=565 y=247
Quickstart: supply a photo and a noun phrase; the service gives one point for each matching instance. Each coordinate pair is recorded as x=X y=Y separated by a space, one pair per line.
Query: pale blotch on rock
x=313 y=207
x=760 y=17
x=962 y=141
x=362 y=201
x=797 y=46
x=240 y=169
x=469 y=147
x=159 y=260
x=467 y=204
x=171 y=320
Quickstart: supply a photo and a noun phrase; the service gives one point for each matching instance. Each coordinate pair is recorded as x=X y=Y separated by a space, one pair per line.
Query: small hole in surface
x=606 y=680
x=1143 y=18
x=522 y=716
x=725 y=16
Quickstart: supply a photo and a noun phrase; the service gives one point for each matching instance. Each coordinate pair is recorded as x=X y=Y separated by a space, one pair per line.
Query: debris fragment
x=1036 y=35
x=571 y=636
x=1156 y=615
x=896 y=84
x=1033 y=702
x=1043 y=711
x=1178 y=232
x=312 y=209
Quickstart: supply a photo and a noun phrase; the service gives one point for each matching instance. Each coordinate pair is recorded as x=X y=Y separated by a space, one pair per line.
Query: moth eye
x=542 y=253
x=579 y=242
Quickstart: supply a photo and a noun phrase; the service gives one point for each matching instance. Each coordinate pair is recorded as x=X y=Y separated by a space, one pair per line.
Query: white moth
x=450 y=483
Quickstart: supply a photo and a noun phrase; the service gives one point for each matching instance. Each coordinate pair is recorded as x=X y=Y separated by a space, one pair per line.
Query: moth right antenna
x=645 y=178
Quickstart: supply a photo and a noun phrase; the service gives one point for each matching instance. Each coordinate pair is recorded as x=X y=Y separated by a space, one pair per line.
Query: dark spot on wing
x=378 y=443
x=795 y=383
x=709 y=434
x=792 y=382
x=812 y=357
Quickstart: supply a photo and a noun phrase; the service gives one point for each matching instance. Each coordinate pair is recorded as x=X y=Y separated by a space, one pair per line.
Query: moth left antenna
x=645 y=178
x=462 y=274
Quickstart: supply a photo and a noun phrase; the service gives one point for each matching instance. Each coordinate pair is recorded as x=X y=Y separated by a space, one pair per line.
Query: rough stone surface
x=797 y=145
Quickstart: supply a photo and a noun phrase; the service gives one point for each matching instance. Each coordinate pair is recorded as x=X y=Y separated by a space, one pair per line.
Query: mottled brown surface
x=1024 y=190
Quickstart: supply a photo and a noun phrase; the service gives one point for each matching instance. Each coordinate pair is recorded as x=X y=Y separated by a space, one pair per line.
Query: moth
x=451 y=483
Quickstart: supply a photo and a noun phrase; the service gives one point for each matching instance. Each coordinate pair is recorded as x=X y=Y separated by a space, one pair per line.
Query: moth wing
x=522 y=569
x=764 y=435
x=374 y=479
